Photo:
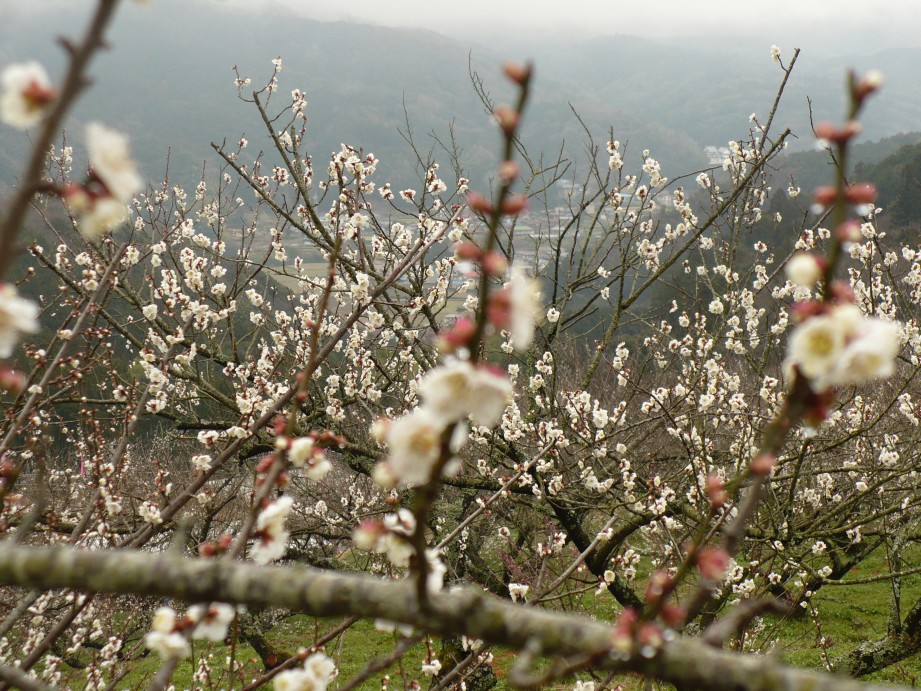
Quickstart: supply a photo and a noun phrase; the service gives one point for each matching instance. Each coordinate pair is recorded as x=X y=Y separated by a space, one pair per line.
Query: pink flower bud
x=498 y=309
x=810 y=308
x=509 y=172
x=468 y=251
x=659 y=584
x=763 y=464
x=650 y=635
x=457 y=336
x=716 y=491
x=849 y=231
x=838 y=135
x=842 y=292
x=868 y=84
x=673 y=615
x=495 y=264
x=367 y=534
x=712 y=563
x=11 y=381
x=514 y=205
x=507 y=117
x=520 y=74
x=478 y=202
x=861 y=193
x=825 y=195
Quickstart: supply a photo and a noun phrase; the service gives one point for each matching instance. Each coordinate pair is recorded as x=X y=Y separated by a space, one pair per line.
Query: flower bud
x=659 y=583
x=495 y=264
x=804 y=269
x=868 y=84
x=673 y=615
x=468 y=251
x=861 y=193
x=384 y=476
x=508 y=172
x=825 y=195
x=650 y=635
x=716 y=491
x=458 y=336
x=842 y=292
x=514 y=205
x=507 y=117
x=763 y=464
x=838 y=135
x=712 y=563
x=479 y=203
x=11 y=381
x=520 y=74
x=849 y=231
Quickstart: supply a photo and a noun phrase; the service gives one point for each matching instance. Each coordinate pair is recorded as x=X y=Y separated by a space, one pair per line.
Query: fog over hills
x=168 y=83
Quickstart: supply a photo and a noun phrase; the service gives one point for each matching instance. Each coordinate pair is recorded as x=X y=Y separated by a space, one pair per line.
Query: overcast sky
x=873 y=22
x=845 y=26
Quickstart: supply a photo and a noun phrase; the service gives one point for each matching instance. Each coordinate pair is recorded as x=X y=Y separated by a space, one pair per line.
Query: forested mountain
x=169 y=83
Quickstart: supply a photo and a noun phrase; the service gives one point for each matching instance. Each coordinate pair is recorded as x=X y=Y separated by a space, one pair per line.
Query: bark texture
x=685 y=662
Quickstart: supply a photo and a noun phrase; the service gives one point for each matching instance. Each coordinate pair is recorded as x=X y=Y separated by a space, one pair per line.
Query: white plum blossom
x=201 y=462
x=270 y=527
x=211 y=623
x=111 y=161
x=871 y=354
x=315 y=675
x=168 y=645
x=304 y=453
x=102 y=211
x=816 y=346
x=17 y=316
x=803 y=270
x=415 y=444
x=163 y=638
x=300 y=451
x=27 y=92
x=524 y=305
x=844 y=347
x=458 y=389
x=518 y=591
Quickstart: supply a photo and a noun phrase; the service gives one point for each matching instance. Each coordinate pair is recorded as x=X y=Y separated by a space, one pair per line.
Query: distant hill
x=168 y=82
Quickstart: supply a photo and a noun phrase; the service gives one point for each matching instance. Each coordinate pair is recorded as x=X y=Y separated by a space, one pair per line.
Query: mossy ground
x=846 y=615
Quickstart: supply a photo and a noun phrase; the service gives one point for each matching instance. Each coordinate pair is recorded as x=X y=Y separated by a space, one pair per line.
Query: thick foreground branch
x=685 y=662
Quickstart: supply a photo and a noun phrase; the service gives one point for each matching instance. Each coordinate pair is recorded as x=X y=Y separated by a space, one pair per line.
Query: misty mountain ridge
x=168 y=83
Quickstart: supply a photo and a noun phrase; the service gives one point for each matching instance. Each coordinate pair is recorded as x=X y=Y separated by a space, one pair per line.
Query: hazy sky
x=828 y=21
x=845 y=26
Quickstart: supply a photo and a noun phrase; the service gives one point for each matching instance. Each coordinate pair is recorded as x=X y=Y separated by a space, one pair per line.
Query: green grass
x=847 y=615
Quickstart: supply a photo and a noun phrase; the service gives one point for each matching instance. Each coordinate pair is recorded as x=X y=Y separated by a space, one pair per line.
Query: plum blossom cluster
x=315 y=674
x=270 y=532
x=100 y=202
x=836 y=344
x=27 y=94
x=426 y=439
x=170 y=633
x=17 y=316
x=392 y=538
x=839 y=345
